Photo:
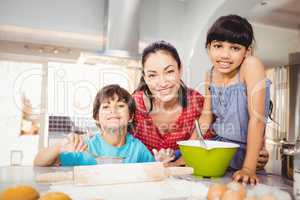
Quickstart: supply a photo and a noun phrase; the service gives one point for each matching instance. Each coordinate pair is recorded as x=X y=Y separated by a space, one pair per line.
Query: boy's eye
x=104 y=106
x=121 y=105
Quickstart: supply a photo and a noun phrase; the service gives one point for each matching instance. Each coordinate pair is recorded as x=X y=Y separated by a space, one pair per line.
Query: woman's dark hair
x=231 y=28
x=109 y=92
x=171 y=50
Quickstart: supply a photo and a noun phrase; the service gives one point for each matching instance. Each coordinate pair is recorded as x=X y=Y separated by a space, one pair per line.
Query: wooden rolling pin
x=125 y=173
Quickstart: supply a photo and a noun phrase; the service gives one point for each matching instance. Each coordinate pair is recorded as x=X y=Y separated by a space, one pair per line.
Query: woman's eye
x=151 y=75
x=170 y=71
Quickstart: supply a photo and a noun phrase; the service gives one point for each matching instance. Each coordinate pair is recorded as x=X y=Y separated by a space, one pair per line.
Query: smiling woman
x=166 y=107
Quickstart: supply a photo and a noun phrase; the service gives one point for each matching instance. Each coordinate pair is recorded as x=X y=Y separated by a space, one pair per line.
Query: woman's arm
x=254 y=75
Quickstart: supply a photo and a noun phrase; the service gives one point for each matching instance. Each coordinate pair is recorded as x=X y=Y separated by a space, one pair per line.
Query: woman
x=166 y=108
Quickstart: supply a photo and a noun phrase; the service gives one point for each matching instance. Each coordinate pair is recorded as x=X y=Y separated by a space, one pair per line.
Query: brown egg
x=216 y=191
x=231 y=195
x=55 y=196
x=267 y=197
x=21 y=192
x=237 y=187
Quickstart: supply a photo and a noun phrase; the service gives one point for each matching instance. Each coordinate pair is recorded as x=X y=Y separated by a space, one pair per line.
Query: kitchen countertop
x=13 y=175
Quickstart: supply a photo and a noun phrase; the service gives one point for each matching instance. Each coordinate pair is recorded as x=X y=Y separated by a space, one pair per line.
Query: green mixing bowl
x=211 y=161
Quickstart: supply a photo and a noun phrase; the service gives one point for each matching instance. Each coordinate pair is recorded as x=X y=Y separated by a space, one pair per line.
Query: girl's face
x=162 y=75
x=113 y=113
x=226 y=56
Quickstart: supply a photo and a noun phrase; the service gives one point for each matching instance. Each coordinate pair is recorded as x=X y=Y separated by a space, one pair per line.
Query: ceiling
x=282 y=13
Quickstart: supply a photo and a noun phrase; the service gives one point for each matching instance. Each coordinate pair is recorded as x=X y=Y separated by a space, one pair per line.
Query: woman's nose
x=162 y=81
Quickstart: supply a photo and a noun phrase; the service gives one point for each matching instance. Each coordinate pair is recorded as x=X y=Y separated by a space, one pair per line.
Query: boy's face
x=113 y=113
x=227 y=56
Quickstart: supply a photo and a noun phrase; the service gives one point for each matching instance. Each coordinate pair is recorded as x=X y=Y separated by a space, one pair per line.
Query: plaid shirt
x=180 y=129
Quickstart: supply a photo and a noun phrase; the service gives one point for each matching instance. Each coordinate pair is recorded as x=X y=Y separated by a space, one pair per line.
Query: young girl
x=113 y=108
x=237 y=93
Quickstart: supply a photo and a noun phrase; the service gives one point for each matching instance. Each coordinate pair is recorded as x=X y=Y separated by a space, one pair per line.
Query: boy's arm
x=50 y=156
x=47 y=156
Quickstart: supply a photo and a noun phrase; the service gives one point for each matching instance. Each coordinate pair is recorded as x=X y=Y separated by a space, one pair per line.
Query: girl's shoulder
x=252 y=63
x=252 y=68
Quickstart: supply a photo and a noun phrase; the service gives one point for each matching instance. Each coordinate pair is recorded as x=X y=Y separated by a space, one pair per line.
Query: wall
x=82 y=16
x=274 y=50
x=162 y=20
x=17 y=79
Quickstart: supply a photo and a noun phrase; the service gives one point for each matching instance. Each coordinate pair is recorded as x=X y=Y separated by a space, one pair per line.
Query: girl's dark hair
x=231 y=28
x=171 y=50
x=109 y=92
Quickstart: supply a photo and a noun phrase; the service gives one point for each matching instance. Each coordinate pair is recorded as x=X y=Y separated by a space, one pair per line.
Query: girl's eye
x=170 y=71
x=236 y=48
x=217 y=46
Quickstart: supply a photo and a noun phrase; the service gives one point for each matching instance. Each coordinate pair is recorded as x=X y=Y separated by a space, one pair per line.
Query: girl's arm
x=206 y=117
x=254 y=76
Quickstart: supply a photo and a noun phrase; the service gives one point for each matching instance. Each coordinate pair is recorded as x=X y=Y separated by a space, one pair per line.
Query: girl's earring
x=249 y=52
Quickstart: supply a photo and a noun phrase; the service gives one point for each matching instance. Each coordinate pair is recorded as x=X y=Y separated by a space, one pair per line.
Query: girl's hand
x=246 y=176
x=164 y=155
x=75 y=143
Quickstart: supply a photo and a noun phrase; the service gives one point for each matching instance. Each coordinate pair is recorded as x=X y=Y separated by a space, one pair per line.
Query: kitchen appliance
x=282 y=131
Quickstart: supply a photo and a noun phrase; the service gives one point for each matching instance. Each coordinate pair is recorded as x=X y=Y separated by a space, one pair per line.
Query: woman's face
x=162 y=75
x=226 y=56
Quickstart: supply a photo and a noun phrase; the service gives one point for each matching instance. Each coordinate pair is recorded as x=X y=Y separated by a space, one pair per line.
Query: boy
x=112 y=110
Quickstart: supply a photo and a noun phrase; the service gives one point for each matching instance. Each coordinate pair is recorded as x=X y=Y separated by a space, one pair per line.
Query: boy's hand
x=246 y=176
x=164 y=155
x=75 y=143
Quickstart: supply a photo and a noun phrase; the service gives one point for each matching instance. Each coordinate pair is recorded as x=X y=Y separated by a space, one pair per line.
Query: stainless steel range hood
x=121 y=32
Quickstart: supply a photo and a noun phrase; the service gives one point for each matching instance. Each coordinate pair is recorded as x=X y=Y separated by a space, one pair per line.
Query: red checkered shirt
x=181 y=129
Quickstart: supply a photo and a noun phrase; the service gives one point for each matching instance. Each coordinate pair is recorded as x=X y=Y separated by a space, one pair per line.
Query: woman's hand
x=75 y=143
x=262 y=159
x=246 y=176
x=164 y=155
